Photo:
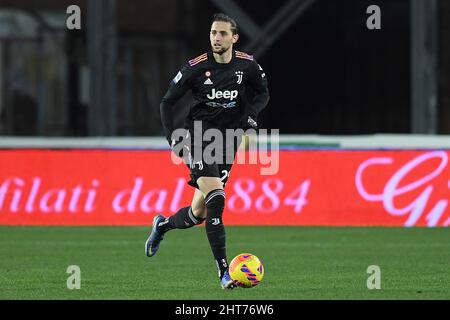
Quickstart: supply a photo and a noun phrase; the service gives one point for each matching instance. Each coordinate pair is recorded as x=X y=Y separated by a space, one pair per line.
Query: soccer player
x=220 y=80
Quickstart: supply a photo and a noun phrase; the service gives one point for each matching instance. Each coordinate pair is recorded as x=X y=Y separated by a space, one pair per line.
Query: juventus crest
x=239 y=75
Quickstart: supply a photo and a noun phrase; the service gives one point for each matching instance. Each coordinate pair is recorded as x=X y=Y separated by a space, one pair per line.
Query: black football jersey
x=223 y=93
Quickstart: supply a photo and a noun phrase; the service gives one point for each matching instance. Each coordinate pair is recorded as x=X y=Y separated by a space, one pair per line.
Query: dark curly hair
x=225 y=18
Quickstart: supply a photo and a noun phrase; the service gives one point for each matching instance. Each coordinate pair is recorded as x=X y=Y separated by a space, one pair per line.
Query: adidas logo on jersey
x=208 y=81
x=222 y=94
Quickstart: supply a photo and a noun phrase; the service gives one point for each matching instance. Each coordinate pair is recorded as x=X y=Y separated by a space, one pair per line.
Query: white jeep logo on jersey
x=222 y=94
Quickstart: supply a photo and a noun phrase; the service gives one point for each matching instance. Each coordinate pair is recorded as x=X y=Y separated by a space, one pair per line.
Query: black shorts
x=219 y=169
x=212 y=169
x=198 y=170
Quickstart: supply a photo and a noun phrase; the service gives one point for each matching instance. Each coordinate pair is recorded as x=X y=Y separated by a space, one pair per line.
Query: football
x=246 y=270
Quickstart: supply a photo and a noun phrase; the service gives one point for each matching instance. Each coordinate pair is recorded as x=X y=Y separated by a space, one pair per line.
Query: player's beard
x=220 y=51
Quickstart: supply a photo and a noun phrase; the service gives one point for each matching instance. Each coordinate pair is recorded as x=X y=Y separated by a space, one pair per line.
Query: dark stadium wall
x=444 y=69
x=329 y=74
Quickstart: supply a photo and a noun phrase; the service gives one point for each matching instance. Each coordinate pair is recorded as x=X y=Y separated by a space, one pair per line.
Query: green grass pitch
x=300 y=263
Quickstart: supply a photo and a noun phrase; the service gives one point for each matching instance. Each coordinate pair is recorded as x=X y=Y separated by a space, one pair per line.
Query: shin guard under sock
x=215 y=230
x=183 y=219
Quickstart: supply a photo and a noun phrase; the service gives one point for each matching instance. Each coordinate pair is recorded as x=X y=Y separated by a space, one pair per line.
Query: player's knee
x=215 y=203
x=200 y=212
x=209 y=184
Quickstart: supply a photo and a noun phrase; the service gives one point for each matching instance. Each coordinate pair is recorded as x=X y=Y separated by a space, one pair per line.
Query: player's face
x=221 y=37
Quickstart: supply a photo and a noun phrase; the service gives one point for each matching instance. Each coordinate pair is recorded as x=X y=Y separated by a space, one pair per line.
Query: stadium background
x=326 y=62
x=364 y=117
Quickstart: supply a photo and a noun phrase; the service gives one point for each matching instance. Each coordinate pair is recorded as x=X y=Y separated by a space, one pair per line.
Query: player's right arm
x=178 y=87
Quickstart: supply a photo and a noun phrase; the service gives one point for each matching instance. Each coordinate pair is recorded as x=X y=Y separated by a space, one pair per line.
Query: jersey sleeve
x=179 y=85
x=258 y=82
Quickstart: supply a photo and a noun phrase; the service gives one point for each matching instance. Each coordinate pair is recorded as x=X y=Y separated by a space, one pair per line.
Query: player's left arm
x=258 y=82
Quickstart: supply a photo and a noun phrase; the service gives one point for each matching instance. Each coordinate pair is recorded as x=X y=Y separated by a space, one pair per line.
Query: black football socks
x=183 y=219
x=215 y=230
